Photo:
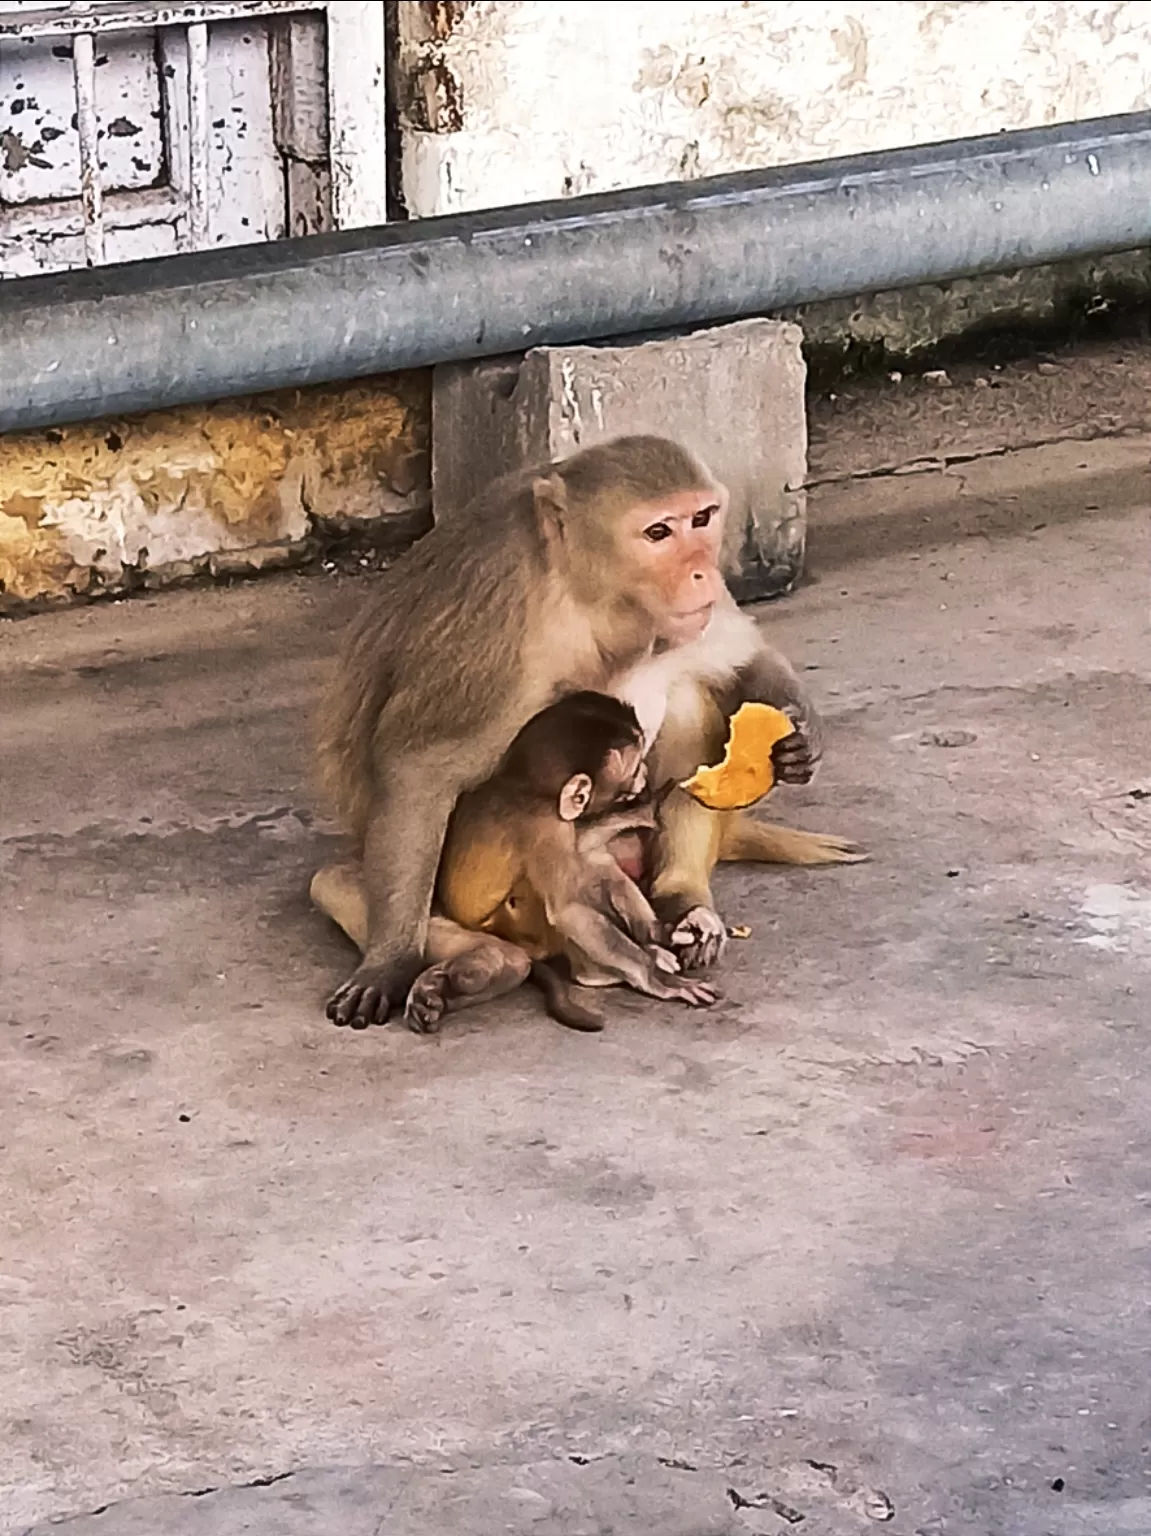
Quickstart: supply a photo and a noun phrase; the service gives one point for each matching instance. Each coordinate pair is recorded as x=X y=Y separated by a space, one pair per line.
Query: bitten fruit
x=746 y=773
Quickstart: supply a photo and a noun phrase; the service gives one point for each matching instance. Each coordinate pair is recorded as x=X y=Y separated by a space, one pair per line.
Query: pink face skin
x=677 y=541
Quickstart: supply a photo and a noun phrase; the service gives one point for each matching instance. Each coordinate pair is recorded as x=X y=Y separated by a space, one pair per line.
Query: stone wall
x=236 y=486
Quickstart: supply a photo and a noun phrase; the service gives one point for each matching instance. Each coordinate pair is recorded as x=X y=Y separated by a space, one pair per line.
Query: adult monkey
x=587 y=574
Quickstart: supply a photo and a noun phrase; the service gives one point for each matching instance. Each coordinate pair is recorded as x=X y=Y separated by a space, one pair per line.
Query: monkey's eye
x=657 y=532
x=703 y=517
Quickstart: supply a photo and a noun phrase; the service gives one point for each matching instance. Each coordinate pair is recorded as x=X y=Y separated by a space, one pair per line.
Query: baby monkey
x=538 y=875
x=556 y=836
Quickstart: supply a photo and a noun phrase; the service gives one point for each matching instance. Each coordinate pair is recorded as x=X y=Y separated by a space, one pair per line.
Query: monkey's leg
x=744 y=840
x=338 y=891
x=636 y=916
x=401 y=854
x=686 y=845
x=638 y=919
x=465 y=969
x=686 y=851
x=693 y=839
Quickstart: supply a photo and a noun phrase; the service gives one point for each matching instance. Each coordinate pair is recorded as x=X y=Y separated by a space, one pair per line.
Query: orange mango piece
x=746 y=773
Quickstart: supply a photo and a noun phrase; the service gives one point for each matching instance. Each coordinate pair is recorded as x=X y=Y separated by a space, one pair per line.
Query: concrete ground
x=866 y=1243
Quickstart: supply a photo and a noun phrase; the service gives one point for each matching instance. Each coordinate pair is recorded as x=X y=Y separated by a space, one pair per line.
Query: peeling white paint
x=283 y=133
x=357 y=58
x=142 y=121
x=587 y=95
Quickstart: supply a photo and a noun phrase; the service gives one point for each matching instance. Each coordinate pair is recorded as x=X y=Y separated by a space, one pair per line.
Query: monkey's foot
x=825 y=848
x=698 y=939
x=797 y=756
x=467 y=978
x=428 y=1000
x=365 y=998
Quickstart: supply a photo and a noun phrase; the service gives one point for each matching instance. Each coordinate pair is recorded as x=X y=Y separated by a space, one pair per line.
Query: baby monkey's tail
x=561 y=1004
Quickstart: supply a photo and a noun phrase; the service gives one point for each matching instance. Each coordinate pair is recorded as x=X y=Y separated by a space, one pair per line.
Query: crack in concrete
x=265 y=1481
x=941 y=463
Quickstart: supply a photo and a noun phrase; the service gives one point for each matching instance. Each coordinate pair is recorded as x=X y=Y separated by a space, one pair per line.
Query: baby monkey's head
x=581 y=755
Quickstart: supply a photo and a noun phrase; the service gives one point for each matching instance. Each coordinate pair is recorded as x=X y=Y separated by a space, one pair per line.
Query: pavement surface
x=866 y=1244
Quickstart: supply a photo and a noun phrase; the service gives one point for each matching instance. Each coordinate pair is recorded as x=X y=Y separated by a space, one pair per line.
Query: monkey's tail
x=745 y=840
x=560 y=1002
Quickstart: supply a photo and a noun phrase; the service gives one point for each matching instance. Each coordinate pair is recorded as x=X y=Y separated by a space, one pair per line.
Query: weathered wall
x=111 y=505
x=516 y=100
x=879 y=329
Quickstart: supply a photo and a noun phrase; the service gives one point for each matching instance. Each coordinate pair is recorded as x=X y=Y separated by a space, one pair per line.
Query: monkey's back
x=439 y=639
x=483 y=884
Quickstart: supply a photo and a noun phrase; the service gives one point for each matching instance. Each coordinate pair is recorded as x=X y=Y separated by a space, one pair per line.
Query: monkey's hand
x=698 y=939
x=682 y=989
x=370 y=994
x=679 y=988
x=769 y=678
x=664 y=959
x=797 y=756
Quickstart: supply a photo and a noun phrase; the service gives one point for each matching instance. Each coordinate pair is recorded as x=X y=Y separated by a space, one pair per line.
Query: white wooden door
x=140 y=130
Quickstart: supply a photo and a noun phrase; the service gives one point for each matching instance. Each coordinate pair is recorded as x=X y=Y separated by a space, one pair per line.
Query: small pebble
x=947 y=738
x=875 y=1504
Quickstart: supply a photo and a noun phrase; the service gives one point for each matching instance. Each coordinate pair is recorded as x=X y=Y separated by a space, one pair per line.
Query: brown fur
x=338 y=889
x=520 y=885
x=531 y=593
x=495 y=555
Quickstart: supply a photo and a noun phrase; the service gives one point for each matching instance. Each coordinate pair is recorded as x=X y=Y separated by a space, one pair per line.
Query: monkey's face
x=673 y=544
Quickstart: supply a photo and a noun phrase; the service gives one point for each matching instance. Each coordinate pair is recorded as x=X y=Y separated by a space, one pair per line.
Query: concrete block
x=733 y=393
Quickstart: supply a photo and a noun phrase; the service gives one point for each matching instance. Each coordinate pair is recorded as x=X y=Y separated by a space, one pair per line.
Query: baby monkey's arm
x=597 y=938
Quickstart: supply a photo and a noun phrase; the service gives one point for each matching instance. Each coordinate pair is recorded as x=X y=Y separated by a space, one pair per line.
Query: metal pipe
x=330 y=307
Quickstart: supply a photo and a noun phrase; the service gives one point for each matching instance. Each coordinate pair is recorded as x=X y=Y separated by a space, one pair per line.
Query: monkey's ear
x=575 y=797
x=549 y=497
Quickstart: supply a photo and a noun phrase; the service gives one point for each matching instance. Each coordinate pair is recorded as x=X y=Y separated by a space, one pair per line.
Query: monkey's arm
x=596 y=938
x=631 y=907
x=769 y=678
x=571 y=886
